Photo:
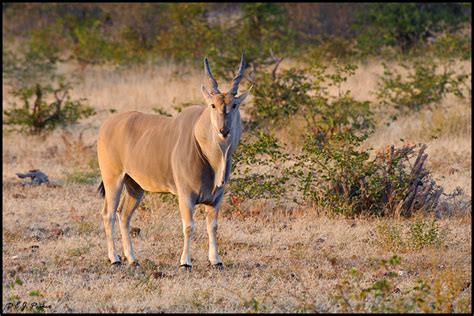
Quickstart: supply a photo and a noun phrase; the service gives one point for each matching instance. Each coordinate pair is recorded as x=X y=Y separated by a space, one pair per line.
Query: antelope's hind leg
x=129 y=203
x=113 y=188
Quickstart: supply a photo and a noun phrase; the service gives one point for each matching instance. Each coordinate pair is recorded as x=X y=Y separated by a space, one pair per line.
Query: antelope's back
x=142 y=146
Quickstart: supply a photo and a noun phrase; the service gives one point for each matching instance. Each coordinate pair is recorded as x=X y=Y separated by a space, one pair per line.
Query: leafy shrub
x=47 y=41
x=424 y=233
x=405 y=25
x=341 y=177
x=331 y=48
x=448 y=46
x=261 y=151
x=410 y=237
x=34 y=61
x=39 y=115
x=421 y=87
x=24 y=69
x=90 y=46
x=276 y=100
x=306 y=95
x=262 y=26
x=187 y=33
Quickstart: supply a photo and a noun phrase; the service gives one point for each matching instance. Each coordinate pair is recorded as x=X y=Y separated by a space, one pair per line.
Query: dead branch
x=277 y=63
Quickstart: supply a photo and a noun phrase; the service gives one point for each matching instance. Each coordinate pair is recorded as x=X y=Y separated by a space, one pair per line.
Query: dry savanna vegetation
x=351 y=188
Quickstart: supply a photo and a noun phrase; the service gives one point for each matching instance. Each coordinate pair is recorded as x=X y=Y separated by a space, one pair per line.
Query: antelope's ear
x=242 y=97
x=206 y=95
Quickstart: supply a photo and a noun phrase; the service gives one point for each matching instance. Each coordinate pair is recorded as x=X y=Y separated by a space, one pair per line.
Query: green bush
x=276 y=100
x=412 y=236
x=331 y=170
x=26 y=68
x=187 y=35
x=331 y=48
x=424 y=233
x=341 y=177
x=47 y=41
x=405 y=25
x=89 y=44
x=36 y=114
x=424 y=85
x=305 y=95
x=256 y=151
x=449 y=46
x=185 y=32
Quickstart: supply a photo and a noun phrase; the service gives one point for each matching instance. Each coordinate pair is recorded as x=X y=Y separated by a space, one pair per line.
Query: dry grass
x=277 y=259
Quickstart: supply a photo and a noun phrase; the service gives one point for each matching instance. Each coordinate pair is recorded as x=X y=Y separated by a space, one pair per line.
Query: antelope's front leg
x=211 y=221
x=186 y=209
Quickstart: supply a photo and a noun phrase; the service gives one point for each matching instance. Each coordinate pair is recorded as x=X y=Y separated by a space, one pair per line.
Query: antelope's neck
x=215 y=149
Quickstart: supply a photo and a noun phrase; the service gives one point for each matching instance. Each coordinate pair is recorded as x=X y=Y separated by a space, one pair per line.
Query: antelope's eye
x=213 y=106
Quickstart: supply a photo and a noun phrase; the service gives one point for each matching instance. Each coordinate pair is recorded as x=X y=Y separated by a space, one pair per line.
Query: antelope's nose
x=224 y=131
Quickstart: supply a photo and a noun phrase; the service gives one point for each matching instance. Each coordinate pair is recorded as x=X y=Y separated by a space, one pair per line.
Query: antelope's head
x=224 y=107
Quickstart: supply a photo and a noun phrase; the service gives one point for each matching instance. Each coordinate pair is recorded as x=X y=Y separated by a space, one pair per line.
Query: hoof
x=185 y=267
x=135 y=264
x=117 y=263
x=218 y=266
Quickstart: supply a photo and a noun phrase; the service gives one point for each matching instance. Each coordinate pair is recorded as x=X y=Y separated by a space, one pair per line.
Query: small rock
x=37 y=232
x=37 y=177
x=18 y=196
x=67 y=231
x=247 y=275
x=15 y=257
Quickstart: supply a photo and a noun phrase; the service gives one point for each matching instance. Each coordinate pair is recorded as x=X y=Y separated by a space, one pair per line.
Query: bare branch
x=251 y=75
x=277 y=63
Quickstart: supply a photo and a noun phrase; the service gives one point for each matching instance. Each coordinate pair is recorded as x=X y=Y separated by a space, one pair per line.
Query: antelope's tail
x=101 y=189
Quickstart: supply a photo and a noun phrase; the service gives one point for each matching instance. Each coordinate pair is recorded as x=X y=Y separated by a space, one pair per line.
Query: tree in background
x=404 y=25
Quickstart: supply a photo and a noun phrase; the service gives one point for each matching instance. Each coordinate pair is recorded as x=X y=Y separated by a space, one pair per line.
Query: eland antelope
x=188 y=155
